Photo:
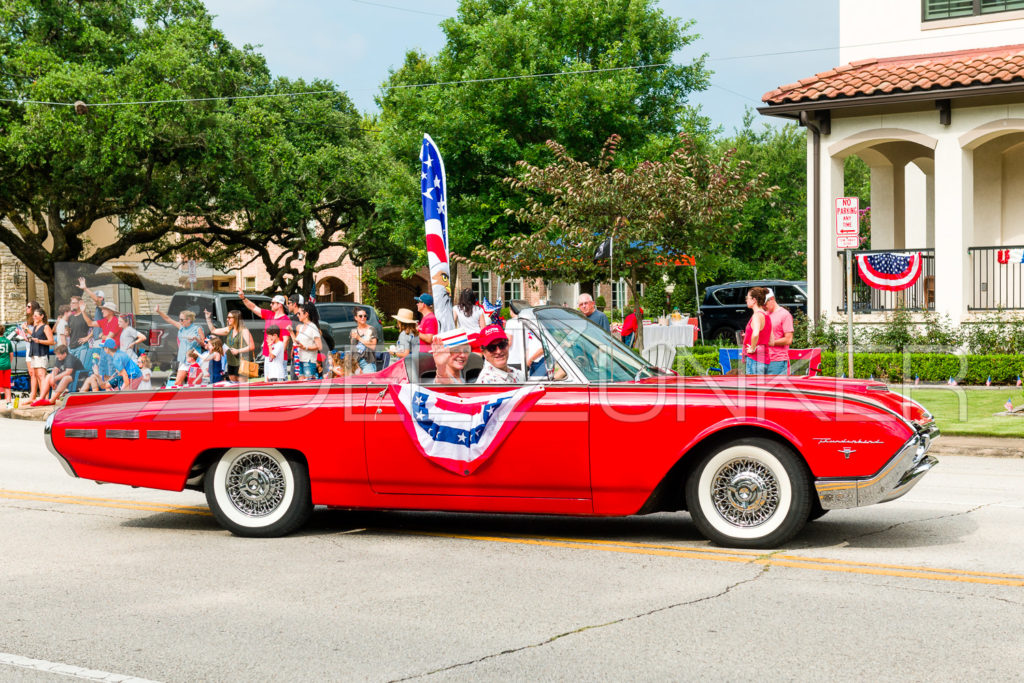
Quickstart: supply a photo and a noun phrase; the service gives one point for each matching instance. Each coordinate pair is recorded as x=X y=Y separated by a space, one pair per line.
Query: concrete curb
x=38 y=414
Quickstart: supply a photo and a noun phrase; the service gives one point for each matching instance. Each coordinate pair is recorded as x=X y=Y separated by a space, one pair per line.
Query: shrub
x=928 y=367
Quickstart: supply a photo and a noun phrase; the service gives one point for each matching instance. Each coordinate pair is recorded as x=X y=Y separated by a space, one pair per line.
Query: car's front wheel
x=749 y=493
x=258 y=492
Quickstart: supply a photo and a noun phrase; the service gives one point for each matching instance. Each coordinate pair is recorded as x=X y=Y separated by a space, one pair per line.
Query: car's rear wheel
x=749 y=493
x=258 y=492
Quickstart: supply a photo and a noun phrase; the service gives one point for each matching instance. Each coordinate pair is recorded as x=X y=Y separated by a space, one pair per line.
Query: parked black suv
x=724 y=311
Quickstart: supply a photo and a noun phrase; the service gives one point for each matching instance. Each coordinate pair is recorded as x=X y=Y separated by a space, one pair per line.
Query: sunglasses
x=499 y=345
x=360 y=316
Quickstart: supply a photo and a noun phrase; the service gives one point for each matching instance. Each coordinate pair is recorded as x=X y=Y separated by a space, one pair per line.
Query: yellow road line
x=747 y=557
x=103 y=502
x=603 y=545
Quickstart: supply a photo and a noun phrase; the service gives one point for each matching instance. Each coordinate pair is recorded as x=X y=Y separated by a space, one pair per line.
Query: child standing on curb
x=6 y=361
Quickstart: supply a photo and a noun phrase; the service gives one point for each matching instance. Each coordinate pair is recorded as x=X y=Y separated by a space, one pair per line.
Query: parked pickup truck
x=162 y=337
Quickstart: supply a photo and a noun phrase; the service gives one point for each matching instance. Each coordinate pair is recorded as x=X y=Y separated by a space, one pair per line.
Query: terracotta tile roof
x=937 y=71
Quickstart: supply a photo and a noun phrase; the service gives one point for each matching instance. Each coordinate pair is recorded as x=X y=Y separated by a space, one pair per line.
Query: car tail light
x=155 y=336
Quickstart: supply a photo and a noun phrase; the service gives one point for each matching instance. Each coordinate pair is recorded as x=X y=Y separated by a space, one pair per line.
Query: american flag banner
x=434 y=188
x=889 y=271
x=460 y=434
x=1008 y=405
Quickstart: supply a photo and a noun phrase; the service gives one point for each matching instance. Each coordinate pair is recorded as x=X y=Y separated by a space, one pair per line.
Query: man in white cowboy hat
x=408 y=339
x=275 y=317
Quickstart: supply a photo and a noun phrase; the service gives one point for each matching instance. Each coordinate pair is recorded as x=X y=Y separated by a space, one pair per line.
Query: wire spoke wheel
x=745 y=493
x=258 y=492
x=749 y=493
x=256 y=484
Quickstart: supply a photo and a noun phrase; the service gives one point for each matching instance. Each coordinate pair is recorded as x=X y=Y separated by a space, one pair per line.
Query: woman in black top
x=40 y=338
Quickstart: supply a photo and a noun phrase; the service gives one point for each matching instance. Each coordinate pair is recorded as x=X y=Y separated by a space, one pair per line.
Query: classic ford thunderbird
x=752 y=459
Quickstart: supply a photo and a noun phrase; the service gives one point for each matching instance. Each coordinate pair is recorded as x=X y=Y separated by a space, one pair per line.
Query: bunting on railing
x=1005 y=256
x=889 y=271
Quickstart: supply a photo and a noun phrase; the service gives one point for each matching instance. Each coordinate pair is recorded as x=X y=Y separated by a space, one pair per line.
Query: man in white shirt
x=494 y=343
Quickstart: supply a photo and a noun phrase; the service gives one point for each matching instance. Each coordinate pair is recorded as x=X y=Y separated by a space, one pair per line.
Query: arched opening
x=333 y=289
x=396 y=291
x=900 y=201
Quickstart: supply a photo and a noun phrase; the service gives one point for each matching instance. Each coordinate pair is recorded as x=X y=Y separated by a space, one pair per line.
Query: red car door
x=545 y=457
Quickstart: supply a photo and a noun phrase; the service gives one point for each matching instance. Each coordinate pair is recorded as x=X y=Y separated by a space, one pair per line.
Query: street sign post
x=848 y=239
x=191 y=273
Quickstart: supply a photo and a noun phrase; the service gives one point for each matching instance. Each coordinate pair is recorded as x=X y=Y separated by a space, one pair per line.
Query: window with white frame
x=512 y=289
x=482 y=285
x=620 y=294
x=124 y=299
x=933 y=10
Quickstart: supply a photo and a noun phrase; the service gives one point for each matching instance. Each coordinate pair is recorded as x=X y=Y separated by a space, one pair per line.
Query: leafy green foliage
x=484 y=128
x=294 y=185
x=928 y=367
x=63 y=171
x=654 y=214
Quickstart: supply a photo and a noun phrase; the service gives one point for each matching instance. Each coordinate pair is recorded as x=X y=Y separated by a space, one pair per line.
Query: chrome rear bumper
x=896 y=477
x=48 y=438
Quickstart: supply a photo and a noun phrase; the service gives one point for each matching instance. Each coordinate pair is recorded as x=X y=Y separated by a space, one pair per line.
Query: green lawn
x=971 y=412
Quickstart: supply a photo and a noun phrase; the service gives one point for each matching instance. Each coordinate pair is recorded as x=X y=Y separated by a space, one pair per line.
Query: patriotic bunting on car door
x=888 y=271
x=460 y=434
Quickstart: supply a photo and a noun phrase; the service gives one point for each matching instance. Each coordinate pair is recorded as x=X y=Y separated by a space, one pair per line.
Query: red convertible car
x=604 y=434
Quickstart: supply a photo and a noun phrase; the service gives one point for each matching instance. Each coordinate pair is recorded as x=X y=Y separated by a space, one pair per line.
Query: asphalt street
x=110 y=582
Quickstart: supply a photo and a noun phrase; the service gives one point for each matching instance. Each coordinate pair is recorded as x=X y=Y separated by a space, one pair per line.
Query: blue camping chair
x=726 y=359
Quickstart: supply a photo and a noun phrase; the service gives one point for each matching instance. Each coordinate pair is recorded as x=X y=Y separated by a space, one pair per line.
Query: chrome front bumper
x=48 y=438
x=892 y=481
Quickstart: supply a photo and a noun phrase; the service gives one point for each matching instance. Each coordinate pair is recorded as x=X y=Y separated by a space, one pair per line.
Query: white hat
x=109 y=306
x=279 y=299
x=769 y=295
x=99 y=293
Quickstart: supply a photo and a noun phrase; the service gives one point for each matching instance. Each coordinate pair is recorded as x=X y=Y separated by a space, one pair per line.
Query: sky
x=355 y=42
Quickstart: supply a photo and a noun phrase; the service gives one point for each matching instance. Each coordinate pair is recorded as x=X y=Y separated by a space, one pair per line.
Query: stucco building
x=931 y=96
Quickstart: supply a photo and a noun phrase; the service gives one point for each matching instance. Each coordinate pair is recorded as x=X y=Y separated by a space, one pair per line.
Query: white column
x=929 y=229
x=832 y=269
x=883 y=203
x=954 y=217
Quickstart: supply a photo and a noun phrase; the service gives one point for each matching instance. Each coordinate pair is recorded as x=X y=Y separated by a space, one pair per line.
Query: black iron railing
x=919 y=297
x=996 y=281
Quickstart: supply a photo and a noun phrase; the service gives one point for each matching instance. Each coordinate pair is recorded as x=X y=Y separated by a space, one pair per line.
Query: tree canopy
x=294 y=181
x=502 y=112
x=654 y=214
x=63 y=169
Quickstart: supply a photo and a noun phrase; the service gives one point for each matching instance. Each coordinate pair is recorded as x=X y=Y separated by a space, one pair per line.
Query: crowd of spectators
x=97 y=349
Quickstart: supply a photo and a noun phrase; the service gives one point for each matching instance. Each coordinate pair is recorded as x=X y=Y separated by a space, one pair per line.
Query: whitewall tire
x=749 y=493
x=258 y=492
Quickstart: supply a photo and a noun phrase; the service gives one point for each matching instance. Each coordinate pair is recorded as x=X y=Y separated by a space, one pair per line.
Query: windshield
x=599 y=356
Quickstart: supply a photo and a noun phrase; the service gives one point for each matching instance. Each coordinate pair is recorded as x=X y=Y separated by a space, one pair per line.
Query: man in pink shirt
x=781 y=337
x=428 y=325
x=275 y=317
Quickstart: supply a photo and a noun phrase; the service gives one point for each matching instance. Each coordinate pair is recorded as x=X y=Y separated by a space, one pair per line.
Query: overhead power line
x=550 y=74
